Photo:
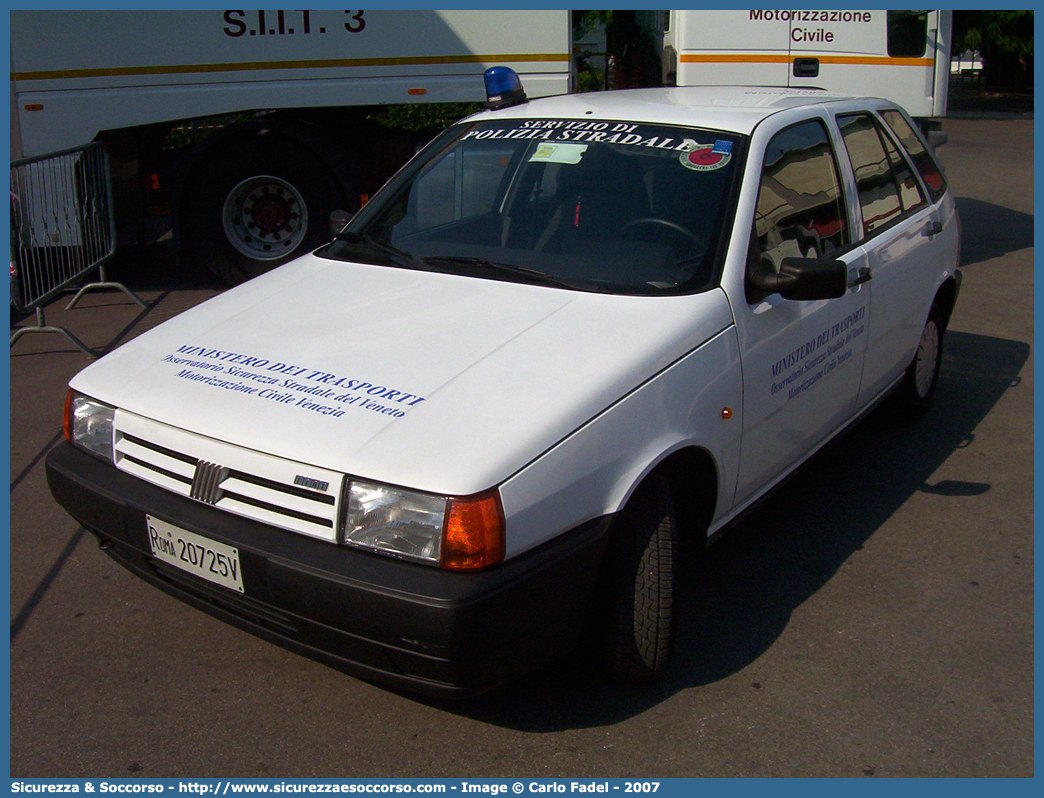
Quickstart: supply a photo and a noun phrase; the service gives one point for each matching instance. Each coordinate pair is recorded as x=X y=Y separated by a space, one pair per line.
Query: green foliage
x=583 y=21
x=590 y=79
x=194 y=131
x=1009 y=32
x=1003 y=38
x=589 y=75
x=421 y=118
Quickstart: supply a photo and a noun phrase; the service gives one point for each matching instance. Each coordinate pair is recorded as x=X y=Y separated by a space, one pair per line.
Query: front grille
x=206 y=483
x=231 y=478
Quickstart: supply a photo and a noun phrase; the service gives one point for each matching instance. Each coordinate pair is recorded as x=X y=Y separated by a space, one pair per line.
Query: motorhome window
x=922 y=159
x=800 y=210
x=596 y=205
x=907 y=34
x=875 y=181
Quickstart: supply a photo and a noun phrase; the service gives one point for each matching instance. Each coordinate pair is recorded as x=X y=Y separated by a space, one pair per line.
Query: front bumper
x=411 y=626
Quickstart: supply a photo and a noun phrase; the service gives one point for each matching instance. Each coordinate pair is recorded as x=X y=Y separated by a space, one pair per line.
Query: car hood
x=438 y=382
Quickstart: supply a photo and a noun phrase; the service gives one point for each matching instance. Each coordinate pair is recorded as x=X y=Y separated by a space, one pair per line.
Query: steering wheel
x=674 y=227
x=653 y=220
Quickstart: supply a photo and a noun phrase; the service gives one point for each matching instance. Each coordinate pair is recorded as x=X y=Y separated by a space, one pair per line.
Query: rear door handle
x=933 y=228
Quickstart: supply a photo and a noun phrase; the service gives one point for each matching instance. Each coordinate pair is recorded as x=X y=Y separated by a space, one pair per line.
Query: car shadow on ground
x=793 y=544
x=784 y=552
x=990 y=231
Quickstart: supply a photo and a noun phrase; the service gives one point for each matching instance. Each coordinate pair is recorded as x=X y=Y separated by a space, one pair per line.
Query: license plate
x=196 y=554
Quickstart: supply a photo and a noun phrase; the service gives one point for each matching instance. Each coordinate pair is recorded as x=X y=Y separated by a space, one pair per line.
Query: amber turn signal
x=474 y=534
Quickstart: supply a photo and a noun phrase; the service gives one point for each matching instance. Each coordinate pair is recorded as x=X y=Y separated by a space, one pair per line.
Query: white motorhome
x=901 y=56
x=288 y=98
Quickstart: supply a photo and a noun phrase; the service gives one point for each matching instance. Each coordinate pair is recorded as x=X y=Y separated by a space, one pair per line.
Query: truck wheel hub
x=265 y=218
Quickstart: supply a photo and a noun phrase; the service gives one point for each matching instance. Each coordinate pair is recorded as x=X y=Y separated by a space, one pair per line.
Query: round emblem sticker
x=704 y=158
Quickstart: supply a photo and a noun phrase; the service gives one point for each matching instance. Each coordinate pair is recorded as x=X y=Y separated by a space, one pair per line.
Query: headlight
x=394 y=521
x=89 y=423
x=458 y=534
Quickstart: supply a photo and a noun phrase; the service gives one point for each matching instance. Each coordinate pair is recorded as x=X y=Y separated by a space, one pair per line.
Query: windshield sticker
x=620 y=133
x=559 y=153
x=816 y=358
x=706 y=157
x=295 y=386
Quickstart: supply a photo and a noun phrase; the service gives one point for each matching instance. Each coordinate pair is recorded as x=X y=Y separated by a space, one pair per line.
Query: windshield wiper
x=509 y=269
x=394 y=255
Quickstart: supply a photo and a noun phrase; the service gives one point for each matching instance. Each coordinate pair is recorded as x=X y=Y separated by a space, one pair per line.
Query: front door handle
x=865 y=276
x=933 y=228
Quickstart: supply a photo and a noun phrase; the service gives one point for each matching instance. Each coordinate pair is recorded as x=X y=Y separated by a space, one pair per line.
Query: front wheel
x=641 y=574
x=257 y=205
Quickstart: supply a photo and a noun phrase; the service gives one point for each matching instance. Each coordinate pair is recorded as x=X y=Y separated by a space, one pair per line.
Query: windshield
x=586 y=205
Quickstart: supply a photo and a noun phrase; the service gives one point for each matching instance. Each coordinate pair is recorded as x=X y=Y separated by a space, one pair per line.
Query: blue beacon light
x=503 y=88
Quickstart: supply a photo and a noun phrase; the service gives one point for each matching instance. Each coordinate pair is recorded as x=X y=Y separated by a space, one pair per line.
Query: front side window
x=800 y=210
x=589 y=205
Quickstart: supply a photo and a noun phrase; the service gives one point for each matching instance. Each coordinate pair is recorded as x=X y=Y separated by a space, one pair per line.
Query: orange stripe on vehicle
x=334 y=63
x=767 y=58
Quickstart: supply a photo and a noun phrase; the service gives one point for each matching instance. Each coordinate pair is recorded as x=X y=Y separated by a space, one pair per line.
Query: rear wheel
x=257 y=205
x=917 y=390
x=641 y=574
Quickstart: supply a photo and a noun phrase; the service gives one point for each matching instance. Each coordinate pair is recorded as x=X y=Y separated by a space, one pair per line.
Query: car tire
x=917 y=390
x=642 y=563
x=257 y=205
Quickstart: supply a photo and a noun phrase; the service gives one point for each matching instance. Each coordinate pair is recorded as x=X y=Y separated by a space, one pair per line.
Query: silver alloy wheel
x=265 y=217
x=927 y=358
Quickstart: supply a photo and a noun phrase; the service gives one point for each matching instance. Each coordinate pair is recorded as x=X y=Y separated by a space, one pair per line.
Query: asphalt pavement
x=874 y=619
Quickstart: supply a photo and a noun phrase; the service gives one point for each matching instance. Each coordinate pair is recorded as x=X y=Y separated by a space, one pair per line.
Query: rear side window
x=885 y=194
x=800 y=211
x=922 y=159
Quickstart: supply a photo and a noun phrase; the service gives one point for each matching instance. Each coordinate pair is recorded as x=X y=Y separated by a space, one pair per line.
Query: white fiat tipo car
x=568 y=336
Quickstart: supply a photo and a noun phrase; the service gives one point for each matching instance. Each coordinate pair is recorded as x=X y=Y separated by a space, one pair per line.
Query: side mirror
x=936 y=138
x=338 y=220
x=803 y=279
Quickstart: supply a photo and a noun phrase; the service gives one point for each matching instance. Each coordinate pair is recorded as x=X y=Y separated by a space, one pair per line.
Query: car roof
x=733 y=108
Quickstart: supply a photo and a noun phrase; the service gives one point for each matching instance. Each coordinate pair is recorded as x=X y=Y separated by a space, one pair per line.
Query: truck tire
x=917 y=390
x=642 y=562
x=258 y=204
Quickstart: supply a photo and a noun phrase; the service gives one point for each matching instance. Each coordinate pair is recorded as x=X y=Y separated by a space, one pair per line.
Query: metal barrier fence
x=62 y=229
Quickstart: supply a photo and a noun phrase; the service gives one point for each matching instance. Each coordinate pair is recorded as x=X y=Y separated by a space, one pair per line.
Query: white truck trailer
x=237 y=132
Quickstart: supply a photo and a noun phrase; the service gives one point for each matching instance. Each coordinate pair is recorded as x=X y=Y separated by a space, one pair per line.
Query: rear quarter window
x=923 y=160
